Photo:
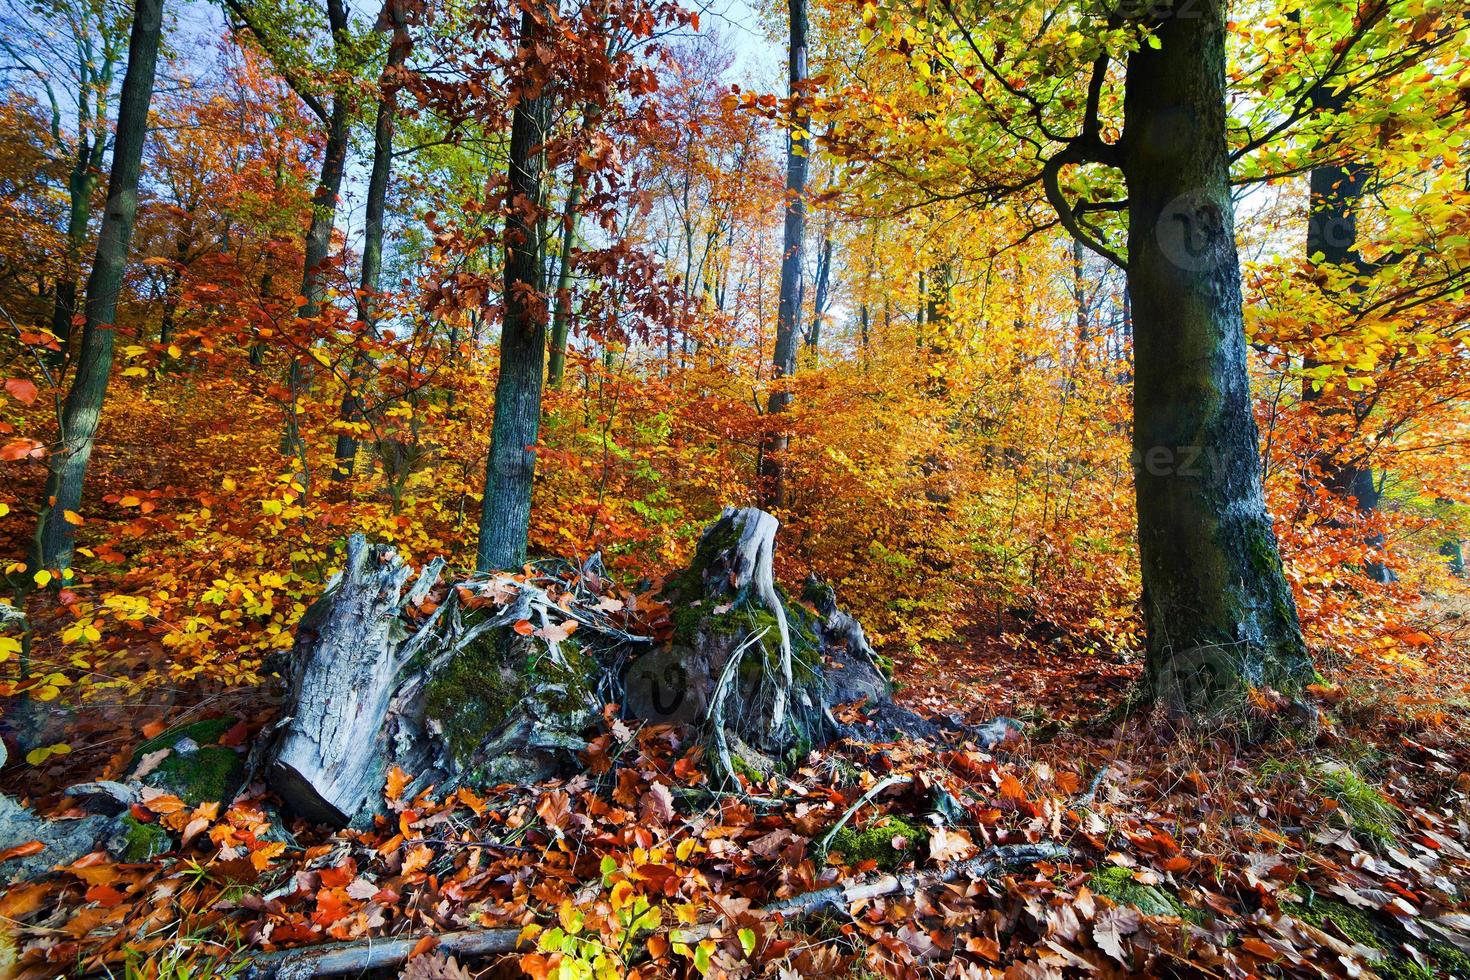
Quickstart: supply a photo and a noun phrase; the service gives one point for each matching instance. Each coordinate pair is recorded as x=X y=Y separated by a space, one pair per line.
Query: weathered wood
x=339 y=959
x=330 y=758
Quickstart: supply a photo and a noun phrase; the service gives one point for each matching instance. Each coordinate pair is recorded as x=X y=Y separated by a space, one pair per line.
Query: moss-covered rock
x=207 y=731
x=474 y=694
x=1118 y=884
x=143 y=841
x=876 y=843
x=196 y=768
x=505 y=693
x=211 y=773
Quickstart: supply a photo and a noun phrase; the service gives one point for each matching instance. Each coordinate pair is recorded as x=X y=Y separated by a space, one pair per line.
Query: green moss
x=818 y=593
x=206 y=732
x=474 y=693
x=143 y=841
x=875 y=843
x=686 y=618
x=213 y=773
x=1363 y=806
x=482 y=687
x=565 y=687
x=743 y=768
x=1360 y=927
x=1119 y=884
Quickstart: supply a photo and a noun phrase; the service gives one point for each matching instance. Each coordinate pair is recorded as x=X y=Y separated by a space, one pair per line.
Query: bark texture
x=505 y=517
x=561 y=319
x=1219 y=613
x=329 y=760
x=788 y=310
x=82 y=409
x=370 y=279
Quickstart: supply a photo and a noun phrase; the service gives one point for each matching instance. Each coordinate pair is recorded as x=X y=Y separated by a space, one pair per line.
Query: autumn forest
x=635 y=488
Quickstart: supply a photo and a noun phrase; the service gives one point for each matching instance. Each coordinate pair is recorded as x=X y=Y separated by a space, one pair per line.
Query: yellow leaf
x=43 y=578
x=72 y=517
x=175 y=351
x=39 y=755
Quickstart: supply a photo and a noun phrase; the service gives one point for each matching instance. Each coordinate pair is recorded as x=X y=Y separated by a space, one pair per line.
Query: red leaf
x=20 y=449
x=21 y=390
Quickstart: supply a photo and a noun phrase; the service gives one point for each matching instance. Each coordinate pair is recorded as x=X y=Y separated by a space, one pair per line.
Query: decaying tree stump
x=496 y=679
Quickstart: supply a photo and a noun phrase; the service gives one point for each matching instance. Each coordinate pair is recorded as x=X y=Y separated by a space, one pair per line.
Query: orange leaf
x=20 y=449
x=423 y=946
x=418 y=859
x=105 y=896
x=22 y=850
x=21 y=390
x=397 y=780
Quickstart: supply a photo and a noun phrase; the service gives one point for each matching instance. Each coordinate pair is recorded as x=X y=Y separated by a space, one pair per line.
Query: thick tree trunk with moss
x=505 y=678
x=1219 y=613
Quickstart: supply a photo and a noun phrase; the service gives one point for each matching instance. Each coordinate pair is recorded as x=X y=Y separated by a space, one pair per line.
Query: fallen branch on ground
x=339 y=959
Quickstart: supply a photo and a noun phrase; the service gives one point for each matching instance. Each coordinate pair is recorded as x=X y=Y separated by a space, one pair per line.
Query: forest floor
x=1180 y=852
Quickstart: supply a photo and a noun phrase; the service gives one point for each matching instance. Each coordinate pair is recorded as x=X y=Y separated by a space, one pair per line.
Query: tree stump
x=498 y=678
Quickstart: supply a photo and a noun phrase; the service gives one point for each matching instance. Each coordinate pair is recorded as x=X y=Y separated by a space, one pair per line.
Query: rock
x=194 y=767
x=64 y=840
x=104 y=796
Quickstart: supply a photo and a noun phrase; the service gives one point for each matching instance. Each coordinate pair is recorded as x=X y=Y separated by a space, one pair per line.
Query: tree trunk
x=314 y=269
x=80 y=184
x=83 y=406
x=772 y=476
x=819 y=302
x=370 y=280
x=505 y=517
x=561 y=318
x=174 y=292
x=1219 y=614
x=1336 y=192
